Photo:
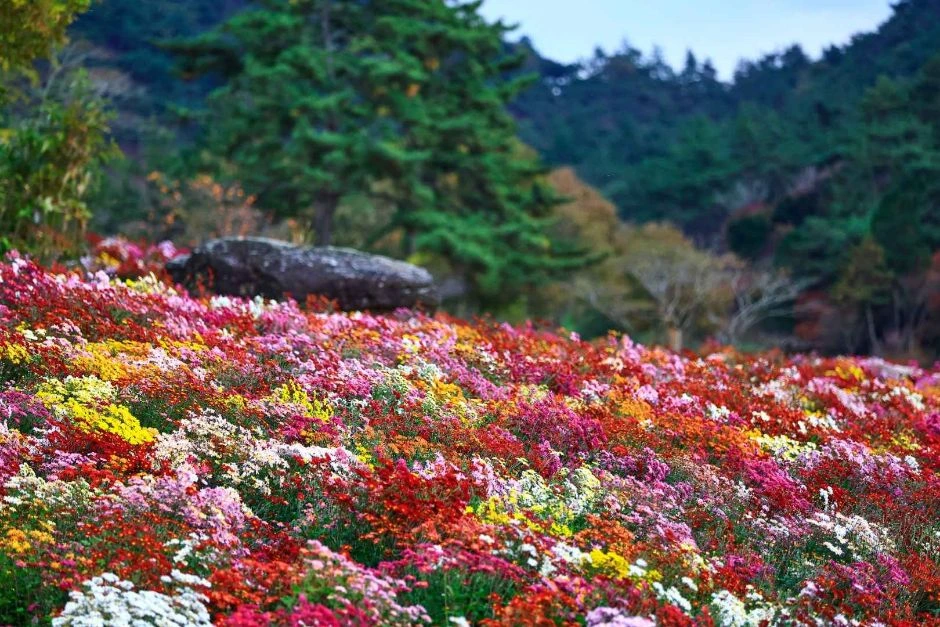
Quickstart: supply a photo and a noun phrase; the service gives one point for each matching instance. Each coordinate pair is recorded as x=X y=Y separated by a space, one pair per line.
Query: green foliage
x=683 y=185
x=134 y=32
x=900 y=224
x=32 y=29
x=748 y=235
x=294 y=112
x=49 y=158
x=53 y=131
x=23 y=594
x=865 y=278
x=816 y=249
x=404 y=101
x=451 y=588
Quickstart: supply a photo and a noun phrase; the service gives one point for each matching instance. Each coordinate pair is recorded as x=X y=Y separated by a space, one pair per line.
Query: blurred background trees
x=402 y=102
x=797 y=205
x=53 y=130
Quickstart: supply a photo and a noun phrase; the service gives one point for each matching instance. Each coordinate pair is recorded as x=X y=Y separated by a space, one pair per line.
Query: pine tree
x=478 y=199
x=296 y=113
x=403 y=99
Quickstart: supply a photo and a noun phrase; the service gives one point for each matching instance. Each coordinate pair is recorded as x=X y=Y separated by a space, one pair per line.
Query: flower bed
x=175 y=460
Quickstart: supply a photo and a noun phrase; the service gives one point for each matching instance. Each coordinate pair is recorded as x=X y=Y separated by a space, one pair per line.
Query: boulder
x=257 y=266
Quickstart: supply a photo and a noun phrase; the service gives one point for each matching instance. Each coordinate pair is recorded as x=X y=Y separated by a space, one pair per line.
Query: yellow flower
x=363 y=455
x=15 y=541
x=903 y=440
x=115 y=419
x=291 y=393
x=14 y=353
x=83 y=401
x=781 y=446
x=610 y=564
x=149 y=284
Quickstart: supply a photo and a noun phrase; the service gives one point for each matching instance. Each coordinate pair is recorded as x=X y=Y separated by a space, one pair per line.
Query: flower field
x=173 y=460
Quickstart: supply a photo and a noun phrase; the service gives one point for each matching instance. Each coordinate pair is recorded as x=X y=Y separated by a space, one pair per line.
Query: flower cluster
x=167 y=459
x=118 y=256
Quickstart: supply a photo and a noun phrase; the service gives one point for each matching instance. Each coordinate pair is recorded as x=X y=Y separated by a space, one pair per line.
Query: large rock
x=257 y=266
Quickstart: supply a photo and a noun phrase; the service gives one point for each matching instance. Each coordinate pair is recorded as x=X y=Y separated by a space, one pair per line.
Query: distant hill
x=609 y=117
x=619 y=110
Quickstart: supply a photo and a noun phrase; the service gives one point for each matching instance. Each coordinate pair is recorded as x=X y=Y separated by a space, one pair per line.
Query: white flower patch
x=637 y=570
x=826 y=422
x=671 y=595
x=914 y=399
x=108 y=600
x=245 y=458
x=730 y=611
x=26 y=486
x=852 y=534
x=716 y=413
x=582 y=490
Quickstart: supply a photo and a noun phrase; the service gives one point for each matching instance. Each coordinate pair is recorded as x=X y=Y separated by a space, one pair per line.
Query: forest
x=796 y=206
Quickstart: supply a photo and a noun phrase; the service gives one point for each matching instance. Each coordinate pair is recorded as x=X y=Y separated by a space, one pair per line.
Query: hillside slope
x=246 y=462
x=661 y=143
x=606 y=117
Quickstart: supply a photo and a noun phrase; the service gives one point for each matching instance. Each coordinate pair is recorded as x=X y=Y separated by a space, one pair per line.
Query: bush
x=49 y=160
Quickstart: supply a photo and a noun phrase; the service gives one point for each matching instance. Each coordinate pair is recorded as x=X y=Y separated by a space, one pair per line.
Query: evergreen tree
x=403 y=99
x=681 y=186
x=296 y=113
x=477 y=199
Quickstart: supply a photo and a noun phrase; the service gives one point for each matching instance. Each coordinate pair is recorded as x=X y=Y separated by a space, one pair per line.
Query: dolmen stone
x=258 y=266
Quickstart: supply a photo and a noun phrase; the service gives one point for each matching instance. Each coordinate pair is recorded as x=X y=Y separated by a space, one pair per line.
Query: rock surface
x=256 y=266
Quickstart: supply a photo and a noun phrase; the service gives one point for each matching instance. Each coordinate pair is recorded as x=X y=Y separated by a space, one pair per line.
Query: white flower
x=110 y=601
x=672 y=596
x=730 y=611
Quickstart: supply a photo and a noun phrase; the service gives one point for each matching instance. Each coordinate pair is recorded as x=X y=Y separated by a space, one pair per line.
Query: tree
x=664 y=276
x=49 y=160
x=489 y=210
x=682 y=186
x=53 y=132
x=403 y=100
x=864 y=284
x=32 y=29
x=759 y=295
x=296 y=114
x=748 y=235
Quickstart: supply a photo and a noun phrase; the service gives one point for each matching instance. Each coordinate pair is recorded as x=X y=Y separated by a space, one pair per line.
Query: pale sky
x=725 y=31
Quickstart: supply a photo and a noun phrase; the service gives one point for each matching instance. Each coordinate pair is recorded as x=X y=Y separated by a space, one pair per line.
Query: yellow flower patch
x=115 y=419
x=18 y=541
x=14 y=353
x=86 y=401
x=292 y=394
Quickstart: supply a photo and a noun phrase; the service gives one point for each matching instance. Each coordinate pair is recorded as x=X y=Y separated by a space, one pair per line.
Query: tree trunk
x=408 y=243
x=323 y=219
x=674 y=337
x=875 y=345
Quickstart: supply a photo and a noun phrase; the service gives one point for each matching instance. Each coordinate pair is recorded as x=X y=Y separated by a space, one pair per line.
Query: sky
x=722 y=30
